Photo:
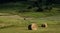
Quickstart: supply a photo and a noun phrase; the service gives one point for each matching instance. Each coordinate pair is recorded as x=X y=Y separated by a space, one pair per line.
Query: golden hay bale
x=44 y=25
x=33 y=26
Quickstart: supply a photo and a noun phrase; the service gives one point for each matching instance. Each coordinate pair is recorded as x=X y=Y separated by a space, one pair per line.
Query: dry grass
x=3 y=25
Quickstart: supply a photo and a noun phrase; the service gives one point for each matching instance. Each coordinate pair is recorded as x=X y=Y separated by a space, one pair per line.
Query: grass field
x=17 y=24
x=11 y=21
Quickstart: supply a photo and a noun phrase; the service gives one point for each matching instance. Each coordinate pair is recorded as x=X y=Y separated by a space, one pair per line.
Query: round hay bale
x=44 y=25
x=33 y=26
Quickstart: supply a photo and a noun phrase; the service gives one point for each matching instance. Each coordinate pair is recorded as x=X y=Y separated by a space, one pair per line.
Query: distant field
x=19 y=25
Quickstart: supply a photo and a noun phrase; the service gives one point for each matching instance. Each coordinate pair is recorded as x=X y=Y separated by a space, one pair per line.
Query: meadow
x=11 y=21
x=17 y=24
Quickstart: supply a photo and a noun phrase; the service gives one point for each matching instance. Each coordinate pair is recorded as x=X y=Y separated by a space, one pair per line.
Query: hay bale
x=44 y=25
x=33 y=26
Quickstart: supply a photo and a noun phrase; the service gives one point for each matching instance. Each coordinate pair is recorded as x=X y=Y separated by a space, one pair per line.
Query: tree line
x=40 y=4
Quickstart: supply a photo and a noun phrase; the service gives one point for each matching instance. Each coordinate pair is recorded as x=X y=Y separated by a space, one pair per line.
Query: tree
x=49 y=4
x=36 y=3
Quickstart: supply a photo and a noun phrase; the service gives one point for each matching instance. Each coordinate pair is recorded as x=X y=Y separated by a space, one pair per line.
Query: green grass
x=20 y=25
x=13 y=22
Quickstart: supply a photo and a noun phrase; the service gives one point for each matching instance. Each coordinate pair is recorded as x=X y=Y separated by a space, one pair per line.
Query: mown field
x=12 y=21
x=17 y=24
